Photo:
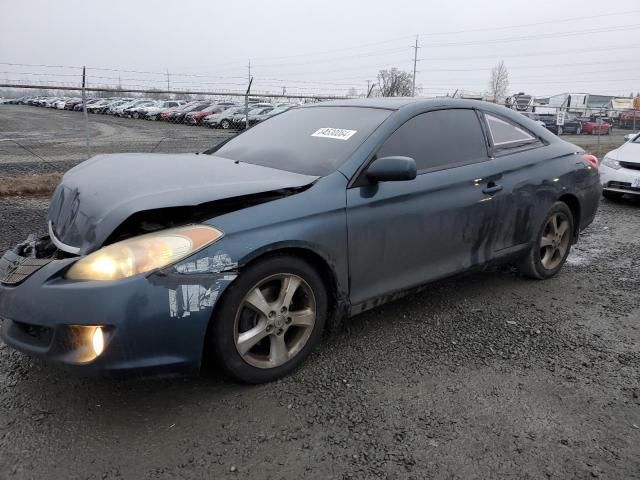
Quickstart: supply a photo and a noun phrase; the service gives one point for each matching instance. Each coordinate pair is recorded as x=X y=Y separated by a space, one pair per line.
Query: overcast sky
x=328 y=46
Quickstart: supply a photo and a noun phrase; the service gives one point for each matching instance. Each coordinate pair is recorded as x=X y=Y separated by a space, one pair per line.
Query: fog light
x=98 y=341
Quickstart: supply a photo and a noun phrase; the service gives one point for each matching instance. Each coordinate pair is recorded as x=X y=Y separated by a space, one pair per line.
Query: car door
x=402 y=234
x=518 y=154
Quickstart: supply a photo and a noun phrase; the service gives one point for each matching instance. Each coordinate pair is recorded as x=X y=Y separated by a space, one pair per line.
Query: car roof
x=397 y=103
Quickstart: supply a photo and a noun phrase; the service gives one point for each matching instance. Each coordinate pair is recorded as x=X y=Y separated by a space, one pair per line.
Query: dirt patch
x=29 y=185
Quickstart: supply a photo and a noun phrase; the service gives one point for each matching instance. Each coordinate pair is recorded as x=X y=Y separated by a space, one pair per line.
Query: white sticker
x=337 y=133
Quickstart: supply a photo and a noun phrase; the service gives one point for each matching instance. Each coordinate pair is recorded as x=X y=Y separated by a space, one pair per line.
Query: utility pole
x=368 y=85
x=246 y=98
x=84 y=109
x=246 y=104
x=284 y=90
x=168 y=81
x=415 y=62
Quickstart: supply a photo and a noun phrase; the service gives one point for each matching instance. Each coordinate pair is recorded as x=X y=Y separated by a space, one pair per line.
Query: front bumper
x=623 y=180
x=153 y=324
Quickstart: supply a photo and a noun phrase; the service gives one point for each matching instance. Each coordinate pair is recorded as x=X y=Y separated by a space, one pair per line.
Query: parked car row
x=218 y=114
x=572 y=124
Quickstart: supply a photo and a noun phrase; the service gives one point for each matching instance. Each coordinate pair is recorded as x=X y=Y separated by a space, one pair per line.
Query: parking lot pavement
x=34 y=139
x=488 y=375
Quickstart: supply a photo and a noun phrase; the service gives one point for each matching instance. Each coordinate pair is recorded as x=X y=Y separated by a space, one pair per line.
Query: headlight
x=611 y=163
x=143 y=253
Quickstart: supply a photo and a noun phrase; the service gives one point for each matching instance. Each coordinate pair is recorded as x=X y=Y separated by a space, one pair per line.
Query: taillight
x=591 y=160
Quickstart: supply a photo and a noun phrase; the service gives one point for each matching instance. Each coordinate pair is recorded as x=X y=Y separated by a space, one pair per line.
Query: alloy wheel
x=275 y=320
x=554 y=241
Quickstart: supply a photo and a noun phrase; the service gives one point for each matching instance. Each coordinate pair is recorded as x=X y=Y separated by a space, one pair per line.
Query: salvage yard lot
x=483 y=376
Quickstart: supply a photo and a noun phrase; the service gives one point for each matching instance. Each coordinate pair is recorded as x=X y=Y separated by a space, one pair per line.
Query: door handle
x=492 y=188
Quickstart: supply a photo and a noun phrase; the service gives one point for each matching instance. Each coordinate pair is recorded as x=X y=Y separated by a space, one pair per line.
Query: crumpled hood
x=95 y=197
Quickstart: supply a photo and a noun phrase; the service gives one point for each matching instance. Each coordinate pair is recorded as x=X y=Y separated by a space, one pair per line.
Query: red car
x=165 y=114
x=627 y=120
x=591 y=126
x=195 y=118
x=72 y=103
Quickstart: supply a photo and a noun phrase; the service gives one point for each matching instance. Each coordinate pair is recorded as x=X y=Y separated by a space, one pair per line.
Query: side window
x=437 y=139
x=505 y=134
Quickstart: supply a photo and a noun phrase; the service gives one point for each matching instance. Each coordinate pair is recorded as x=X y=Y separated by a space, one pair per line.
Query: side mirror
x=392 y=169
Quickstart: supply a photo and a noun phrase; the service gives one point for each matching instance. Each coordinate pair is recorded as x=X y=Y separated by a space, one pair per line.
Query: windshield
x=311 y=141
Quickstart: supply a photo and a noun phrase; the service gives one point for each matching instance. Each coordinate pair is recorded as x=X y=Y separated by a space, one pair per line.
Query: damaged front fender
x=196 y=284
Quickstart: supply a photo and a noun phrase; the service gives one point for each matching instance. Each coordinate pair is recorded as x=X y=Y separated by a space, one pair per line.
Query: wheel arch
x=336 y=296
x=574 y=205
x=313 y=256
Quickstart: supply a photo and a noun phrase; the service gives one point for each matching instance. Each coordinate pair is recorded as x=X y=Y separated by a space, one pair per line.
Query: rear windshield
x=311 y=141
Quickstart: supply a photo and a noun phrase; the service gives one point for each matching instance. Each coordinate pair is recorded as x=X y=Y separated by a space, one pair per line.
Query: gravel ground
x=488 y=375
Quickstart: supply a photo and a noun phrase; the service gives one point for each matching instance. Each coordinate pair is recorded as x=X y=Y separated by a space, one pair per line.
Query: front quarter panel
x=313 y=220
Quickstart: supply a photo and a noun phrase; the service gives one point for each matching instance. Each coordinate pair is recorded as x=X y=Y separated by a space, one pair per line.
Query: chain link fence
x=48 y=129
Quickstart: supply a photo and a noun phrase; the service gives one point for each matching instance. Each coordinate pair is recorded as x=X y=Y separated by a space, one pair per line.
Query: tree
x=499 y=82
x=394 y=83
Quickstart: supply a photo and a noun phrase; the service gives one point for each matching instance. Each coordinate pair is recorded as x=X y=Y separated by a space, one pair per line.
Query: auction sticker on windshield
x=337 y=133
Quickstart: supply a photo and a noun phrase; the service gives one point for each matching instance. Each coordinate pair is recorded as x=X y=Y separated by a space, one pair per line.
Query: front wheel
x=552 y=244
x=269 y=320
x=225 y=124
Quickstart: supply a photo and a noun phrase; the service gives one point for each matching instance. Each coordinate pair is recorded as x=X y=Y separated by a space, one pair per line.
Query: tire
x=225 y=124
x=613 y=196
x=268 y=356
x=136 y=115
x=545 y=261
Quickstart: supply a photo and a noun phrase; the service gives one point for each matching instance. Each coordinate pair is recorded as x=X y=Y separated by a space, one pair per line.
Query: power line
x=535 y=24
x=357 y=55
x=536 y=54
x=430 y=34
x=539 y=36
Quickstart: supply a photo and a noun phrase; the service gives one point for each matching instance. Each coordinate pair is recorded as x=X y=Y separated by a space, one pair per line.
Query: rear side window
x=505 y=134
x=438 y=139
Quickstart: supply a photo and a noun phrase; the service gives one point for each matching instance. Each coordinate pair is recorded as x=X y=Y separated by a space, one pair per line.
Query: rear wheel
x=552 y=244
x=269 y=319
x=225 y=124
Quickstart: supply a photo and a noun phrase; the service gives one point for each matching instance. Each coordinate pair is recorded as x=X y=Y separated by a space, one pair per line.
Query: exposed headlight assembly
x=143 y=254
x=611 y=163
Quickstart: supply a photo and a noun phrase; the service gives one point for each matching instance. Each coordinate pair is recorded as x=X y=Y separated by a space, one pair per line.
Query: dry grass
x=599 y=152
x=29 y=185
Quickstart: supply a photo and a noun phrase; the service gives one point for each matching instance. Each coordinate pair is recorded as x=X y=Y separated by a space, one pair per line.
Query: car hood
x=629 y=152
x=95 y=197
